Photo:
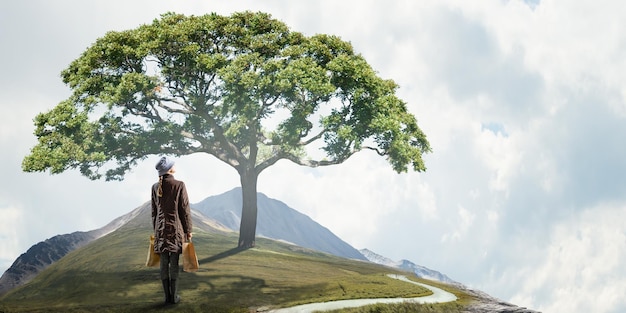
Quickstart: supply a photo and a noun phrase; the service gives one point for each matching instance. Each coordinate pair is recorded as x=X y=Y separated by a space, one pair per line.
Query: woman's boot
x=174 y=298
x=166 y=289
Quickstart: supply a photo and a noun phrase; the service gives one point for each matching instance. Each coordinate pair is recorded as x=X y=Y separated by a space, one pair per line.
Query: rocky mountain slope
x=484 y=303
x=39 y=256
x=418 y=270
x=46 y=252
x=276 y=220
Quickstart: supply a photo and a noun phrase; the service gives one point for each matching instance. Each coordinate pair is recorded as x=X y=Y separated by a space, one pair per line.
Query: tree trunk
x=247 y=228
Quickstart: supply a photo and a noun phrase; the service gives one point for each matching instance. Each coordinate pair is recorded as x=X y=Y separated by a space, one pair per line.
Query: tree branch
x=151 y=115
x=299 y=161
x=161 y=103
x=213 y=148
x=227 y=148
x=378 y=151
x=314 y=138
x=312 y=163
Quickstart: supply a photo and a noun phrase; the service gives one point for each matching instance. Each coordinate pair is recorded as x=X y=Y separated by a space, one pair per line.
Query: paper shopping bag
x=190 y=259
x=153 y=258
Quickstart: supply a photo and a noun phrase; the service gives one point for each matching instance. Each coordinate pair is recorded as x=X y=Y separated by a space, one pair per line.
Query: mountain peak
x=278 y=221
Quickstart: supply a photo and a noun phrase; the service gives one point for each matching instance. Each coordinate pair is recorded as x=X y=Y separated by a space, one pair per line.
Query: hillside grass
x=405 y=307
x=109 y=275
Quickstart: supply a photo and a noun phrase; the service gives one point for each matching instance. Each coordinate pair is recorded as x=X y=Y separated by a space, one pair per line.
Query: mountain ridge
x=276 y=220
x=44 y=253
x=418 y=270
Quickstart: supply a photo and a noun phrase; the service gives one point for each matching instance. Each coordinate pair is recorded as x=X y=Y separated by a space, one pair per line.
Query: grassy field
x=108 y=275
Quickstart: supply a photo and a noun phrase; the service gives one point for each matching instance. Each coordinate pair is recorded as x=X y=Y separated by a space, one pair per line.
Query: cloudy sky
x=523 y=102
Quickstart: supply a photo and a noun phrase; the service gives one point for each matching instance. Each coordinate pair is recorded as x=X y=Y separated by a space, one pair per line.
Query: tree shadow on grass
x=222 y=255
x=132 y=291
x=140 y=290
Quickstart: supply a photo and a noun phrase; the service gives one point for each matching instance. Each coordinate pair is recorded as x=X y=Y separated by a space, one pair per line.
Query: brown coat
x=171 y=218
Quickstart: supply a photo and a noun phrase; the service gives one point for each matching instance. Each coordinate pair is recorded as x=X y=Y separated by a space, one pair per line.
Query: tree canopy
x=242 y=88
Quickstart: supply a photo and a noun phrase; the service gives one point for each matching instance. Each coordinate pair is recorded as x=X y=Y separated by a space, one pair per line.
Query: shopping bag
x=190 y=259
x=153 y=258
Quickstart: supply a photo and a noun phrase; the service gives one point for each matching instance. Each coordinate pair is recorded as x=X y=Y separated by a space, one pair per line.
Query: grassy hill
x=108 y=275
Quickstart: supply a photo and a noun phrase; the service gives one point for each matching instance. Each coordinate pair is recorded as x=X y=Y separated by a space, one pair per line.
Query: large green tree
x=242 y=88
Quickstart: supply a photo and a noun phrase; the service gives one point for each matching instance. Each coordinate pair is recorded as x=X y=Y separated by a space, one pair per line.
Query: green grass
x=405 y=307
x=108 y=275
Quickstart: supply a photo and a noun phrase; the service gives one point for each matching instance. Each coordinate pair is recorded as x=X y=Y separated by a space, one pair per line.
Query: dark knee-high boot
x=166 y=290
x=174 y=298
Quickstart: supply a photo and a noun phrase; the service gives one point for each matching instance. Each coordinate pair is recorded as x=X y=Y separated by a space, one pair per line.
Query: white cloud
x=465 y=219
x=347 y=199
x=580 y=267
x=9 y=223
x=500 y=155
x=523 y=103
x=426 y=202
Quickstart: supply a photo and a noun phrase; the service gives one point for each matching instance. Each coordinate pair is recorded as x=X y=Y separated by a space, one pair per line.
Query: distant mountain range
x=418 y=270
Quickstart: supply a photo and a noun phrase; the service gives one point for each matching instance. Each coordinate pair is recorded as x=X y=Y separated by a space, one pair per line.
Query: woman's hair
x=160 y=189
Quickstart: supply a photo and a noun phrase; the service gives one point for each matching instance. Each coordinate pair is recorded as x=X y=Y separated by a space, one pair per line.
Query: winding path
x=438 y=296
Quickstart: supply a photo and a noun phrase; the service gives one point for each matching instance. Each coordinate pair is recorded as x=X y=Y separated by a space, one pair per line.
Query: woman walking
x=171 y=221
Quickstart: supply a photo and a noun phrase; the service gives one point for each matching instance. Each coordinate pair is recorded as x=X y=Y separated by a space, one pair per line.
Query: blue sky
x=522 y=101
